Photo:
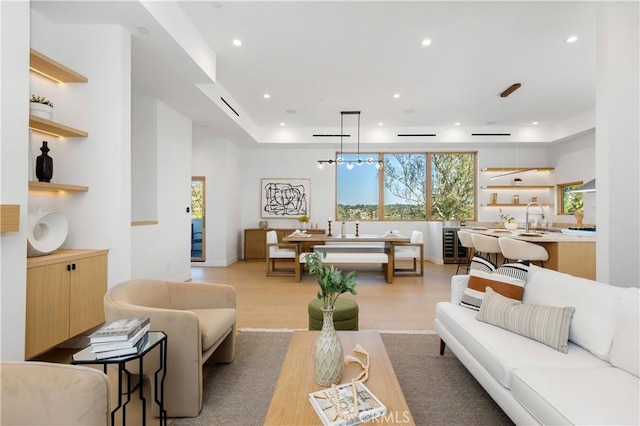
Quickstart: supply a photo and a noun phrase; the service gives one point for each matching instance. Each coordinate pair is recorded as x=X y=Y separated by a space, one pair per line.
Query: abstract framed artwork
x=285 y=198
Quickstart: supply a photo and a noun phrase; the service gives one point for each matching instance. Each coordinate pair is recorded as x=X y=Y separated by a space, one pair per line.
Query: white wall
x=163 y=250
x=14 y=90
x=144 y=160
x=99 y=218
x=618 y=143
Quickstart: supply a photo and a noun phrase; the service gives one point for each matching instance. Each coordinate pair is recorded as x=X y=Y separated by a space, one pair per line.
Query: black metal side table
x=156 y=338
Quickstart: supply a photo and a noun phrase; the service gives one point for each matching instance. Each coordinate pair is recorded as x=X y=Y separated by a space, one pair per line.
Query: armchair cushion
x=39 y=393
x=214 y=323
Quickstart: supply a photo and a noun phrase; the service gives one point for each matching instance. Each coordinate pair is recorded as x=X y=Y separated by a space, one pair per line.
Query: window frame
x=560 y=197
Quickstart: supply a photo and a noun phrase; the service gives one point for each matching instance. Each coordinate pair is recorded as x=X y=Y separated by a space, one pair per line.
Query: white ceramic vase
x=328 y=355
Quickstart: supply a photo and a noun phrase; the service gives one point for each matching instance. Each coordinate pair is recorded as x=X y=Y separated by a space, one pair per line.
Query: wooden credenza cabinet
x=255 y=240
x=65 y=292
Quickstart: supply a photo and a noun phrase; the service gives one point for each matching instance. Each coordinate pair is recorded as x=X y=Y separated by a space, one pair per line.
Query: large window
x=570 y=202
x=453 y=186
x=406 y=189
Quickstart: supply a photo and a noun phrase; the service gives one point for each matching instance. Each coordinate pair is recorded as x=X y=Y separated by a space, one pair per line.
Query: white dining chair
x=515 y=250
x=414 y=251
x=466 y=240
x=279 y=252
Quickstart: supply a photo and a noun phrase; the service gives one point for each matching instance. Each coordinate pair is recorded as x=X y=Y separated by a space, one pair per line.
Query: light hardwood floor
x=278 y=302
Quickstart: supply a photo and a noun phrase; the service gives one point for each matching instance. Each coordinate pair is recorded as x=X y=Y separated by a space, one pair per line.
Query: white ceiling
x=316 y=59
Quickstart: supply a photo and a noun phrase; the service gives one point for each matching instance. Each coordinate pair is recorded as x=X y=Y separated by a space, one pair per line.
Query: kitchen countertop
x=539 y=237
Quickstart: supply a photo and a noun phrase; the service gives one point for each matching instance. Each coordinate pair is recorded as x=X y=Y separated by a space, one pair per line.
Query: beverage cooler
x=452 y=250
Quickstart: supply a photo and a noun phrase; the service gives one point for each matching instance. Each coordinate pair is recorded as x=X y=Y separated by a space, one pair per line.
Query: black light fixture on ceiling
x=340 y=160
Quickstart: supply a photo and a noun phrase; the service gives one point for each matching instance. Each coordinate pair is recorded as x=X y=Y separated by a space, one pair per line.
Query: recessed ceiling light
x=380 y=124
x=426 y=42
x=266 y=96
x=535 y=123
x=237 y=42
x=143 y=30
x=571 y=39
x=396 y=95
x=457 y=123
x=282 y=124
x=290 y=111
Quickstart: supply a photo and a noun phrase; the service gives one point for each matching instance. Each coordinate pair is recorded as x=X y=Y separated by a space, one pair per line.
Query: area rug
x=438 y=389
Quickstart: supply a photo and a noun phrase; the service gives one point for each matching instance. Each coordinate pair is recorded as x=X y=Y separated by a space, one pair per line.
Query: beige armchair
x=42 y=393
x=199 y=320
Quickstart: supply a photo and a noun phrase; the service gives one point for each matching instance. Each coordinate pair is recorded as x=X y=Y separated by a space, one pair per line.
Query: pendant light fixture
x=340 y=160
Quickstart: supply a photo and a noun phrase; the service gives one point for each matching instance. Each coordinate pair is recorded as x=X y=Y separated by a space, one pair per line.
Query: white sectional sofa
x=596 y=382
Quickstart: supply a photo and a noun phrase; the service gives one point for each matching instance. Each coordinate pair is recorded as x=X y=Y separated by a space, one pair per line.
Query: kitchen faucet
x=526 y=215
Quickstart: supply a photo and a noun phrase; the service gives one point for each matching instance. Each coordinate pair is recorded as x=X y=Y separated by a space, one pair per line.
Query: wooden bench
x=336 y=247
x=343 y=258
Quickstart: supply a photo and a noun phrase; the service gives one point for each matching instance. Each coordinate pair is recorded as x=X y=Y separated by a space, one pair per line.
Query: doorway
x=198 y=228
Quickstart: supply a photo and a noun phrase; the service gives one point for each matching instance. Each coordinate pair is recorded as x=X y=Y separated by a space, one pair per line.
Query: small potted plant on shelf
x=508 y=221
x=41 y=107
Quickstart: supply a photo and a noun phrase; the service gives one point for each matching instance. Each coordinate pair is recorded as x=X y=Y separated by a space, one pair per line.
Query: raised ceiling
x=316 y=59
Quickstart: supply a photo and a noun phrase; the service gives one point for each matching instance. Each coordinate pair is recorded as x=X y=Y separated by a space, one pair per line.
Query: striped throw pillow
x=508 y=279
x=546 y=324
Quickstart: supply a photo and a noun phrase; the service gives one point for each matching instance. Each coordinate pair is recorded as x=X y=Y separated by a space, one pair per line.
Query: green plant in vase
x=328 y=355
x=509 y=221
x=332 y=281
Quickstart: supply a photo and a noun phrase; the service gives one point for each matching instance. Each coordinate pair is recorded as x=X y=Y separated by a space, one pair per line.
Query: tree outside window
x=452 y=195
x=570 y=202
x=405 y=187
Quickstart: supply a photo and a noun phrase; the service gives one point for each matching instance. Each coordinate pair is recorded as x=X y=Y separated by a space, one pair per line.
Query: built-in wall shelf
x=53 y=70
x=56 y=129
x=509 y=205
x=9 y=217
x=517 y=186
x=56 y=187
x=515 y=169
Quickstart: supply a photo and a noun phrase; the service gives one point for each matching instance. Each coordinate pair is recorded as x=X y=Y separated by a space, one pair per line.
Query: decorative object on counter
x=304 y=220
x=511 y=226
x=40 y=106
x=534 y=199
x=463 y=223
x=328 y=354
x=507 y=220
x=494 y=198
x=329 y=227
x=517 y=181
x=516 y=199
x=263 y=224
x=579 y=216
x=343 y=230
x=357 y=228
x=44 y=164
x=46 y=232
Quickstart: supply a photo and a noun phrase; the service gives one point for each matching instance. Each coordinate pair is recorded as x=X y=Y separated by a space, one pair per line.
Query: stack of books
x=346 y=404
x=120 y=337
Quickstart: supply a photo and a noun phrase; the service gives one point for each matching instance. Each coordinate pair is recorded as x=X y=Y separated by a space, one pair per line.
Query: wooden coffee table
x=290 y=402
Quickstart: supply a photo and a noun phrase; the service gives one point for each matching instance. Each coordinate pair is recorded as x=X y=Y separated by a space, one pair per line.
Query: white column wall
x=144 y=160
x=162 y=251
x=618 y=143
x=14 y=147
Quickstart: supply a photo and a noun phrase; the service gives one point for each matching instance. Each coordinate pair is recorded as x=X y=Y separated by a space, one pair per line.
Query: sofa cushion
x=214 y=324
x=508 y=280
x=546 y=324
x=500 y=351
x=626 y=337
x=596 y=306
x=597 y=396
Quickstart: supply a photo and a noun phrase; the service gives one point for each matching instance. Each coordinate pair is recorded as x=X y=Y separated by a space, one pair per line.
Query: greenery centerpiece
x=328 y=354
x=509 y=221
x=304 y=219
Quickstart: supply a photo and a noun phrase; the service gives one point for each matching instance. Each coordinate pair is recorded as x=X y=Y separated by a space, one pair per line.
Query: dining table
x=390 y=240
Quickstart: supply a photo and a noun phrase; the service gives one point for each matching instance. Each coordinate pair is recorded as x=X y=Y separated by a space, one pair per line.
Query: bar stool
x=486 y=245
x=513 y=249
x=466 y=240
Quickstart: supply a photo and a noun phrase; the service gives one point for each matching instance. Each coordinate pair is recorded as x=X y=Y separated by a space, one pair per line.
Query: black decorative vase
x=44 y=164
